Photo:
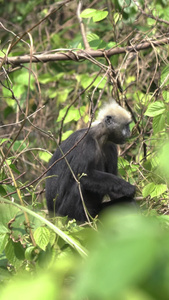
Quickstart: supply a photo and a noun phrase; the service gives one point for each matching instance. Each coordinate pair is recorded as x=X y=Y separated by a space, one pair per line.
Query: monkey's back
x=62 y=191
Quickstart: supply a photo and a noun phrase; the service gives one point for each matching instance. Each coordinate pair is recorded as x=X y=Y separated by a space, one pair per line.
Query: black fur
x=94 y=161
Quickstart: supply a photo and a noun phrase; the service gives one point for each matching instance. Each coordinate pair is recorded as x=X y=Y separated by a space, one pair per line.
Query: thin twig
x=82 y=28
x=150 y=15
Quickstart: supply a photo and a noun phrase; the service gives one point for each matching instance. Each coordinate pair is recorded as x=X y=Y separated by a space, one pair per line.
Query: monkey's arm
x=105 y=183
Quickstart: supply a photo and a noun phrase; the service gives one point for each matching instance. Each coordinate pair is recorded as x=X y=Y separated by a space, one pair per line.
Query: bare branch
x=83 y=54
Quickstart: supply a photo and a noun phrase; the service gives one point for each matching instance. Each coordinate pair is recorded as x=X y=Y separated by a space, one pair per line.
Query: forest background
x=60 y=62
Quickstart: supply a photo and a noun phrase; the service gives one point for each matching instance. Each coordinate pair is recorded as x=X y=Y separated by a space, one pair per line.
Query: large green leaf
x=158 y=123
x=154 y=190
x=40 y=287
x=42 y=237
x=100 y=15
x=155 y=109
x=122 y=257
x=72 y=114
x=88 y=13
x=15 y=253
x=97 y=15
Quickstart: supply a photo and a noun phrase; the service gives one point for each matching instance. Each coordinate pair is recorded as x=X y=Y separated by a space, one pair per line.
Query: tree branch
x=82 y=54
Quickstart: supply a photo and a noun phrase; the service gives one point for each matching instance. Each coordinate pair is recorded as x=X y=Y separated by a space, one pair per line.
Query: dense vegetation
x=60 y=61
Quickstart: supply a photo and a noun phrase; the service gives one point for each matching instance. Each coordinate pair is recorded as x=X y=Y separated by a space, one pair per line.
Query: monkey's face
x=117 y=130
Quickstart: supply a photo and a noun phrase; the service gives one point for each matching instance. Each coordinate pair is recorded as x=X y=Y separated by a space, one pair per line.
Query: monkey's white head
x=115 y=120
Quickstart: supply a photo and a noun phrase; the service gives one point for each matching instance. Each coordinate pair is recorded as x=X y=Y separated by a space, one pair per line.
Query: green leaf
x=66 y=134
x=97 y=15
x=7 y=111
x=63 y=94
x=52 y=237
x=129 y=8
x=159 y=190
x=96 y=44
x=94 y=40
x=163 y=160
x=154 y=190
x=3 y=229
x=155 y=109
x=92 y=37
x=19 y=89
x=148 y=189
x=88 y=13
x=19 y=145
x=117 y=17
x=46 y=78
x=9 y=188
x=15 y=253
x=111 y=45
x=165 y=96
x=29 y=253
x=3 y=140
x=158 y=123
x=3 y=240
x=42 y=287
x=167 y=117
x=100 y=15
x=84 y=80
x=42 y=237
x=13 y=167
x=165 y=76
x=165 y=12
x=22 y=80
x=73 y=114
x=123 y=166
x=2 y=191
x=7 y=213
x=80 y=249
x=44 y=156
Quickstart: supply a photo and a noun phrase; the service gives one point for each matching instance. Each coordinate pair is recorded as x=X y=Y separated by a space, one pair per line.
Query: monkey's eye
x=109 y=120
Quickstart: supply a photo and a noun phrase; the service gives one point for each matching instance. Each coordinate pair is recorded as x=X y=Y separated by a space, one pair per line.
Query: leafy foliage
x=42 y=103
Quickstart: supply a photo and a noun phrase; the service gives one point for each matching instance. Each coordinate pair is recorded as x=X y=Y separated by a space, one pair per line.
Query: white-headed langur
x=94 y=163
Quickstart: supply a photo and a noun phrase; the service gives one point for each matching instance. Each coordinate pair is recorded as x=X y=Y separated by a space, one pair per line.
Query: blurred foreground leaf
x=126 y=256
